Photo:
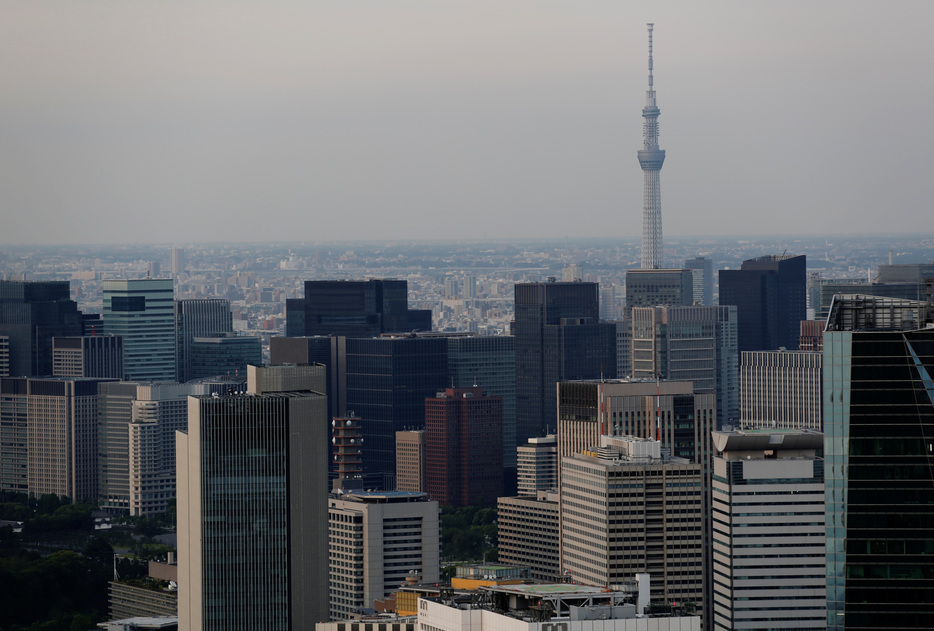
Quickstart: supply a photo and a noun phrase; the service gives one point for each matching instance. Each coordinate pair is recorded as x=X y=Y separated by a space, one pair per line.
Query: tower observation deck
x=651 y=159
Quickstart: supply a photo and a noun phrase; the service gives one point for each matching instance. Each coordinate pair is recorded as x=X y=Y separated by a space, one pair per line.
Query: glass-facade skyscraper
x=142 y=312
x=879 y=452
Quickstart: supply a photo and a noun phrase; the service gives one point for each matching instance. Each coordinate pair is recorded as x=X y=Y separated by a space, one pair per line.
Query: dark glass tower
x=879 y=451
x=31 y=314
x=771 y=301
x=387 y=382
x=558 y=337
x=358 y=308
x=200 y=317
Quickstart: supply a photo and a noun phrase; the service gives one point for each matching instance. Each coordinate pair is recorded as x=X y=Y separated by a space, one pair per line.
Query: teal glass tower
x=142 y=312
x=879 y=452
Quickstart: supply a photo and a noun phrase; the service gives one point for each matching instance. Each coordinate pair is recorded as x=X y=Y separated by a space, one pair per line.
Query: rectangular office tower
x=356 y=308
x=879 y=451
x=781 y=390
x=558 y=337
x=770 y=294
x=626 y=510
x=769 y=560
x=702 y=269
x=31 y=314
x=252 y=505
x=48 y=436
x=696 y=344
x=377 y=540
x=388 y=380
x=203 y=317
x=463 y=447
x=142 y=312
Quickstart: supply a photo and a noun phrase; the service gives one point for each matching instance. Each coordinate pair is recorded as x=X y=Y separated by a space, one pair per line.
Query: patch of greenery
x=468 y=533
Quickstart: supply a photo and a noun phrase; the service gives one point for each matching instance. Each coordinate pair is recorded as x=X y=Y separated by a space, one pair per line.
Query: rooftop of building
x=383 y=497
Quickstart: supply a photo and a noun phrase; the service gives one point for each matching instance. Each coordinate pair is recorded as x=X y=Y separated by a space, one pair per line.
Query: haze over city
x=242 y=121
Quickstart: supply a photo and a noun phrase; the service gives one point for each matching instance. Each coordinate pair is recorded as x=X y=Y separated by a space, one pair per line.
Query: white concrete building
x=769 y=553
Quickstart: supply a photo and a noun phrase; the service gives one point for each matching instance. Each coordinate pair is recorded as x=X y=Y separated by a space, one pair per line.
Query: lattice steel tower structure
x=651 y=159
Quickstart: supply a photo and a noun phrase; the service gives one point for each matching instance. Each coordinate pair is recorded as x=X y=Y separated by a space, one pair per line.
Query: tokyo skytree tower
x=651 y=159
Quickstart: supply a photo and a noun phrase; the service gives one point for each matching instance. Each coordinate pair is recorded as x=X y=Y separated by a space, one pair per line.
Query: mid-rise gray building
x=537 y=468
x=377 y=539
x=528 y=534
x=627 y=510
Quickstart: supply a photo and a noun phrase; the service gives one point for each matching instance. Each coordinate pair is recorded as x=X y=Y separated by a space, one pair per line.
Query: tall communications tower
x=651 y=159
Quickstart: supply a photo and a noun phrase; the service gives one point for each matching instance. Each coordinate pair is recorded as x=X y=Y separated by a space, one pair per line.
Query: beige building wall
x=410 y=461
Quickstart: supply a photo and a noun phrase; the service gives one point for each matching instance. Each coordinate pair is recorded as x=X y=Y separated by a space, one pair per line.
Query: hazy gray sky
x=245 y=120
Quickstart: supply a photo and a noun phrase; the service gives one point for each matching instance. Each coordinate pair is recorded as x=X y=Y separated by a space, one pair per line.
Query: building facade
x=463 y=447
x=52 y=422
x=697 y=344
x=31 y=314
x=769 y=558
x=770 y=294
x=549 y=347
x=625 y=510
x=142 y=312
x=198 y=317
x=252 y=505
x=97 y=356
x=410 y=461
x=528 y=534
x=878 y=424
x=376 y=540
x=537 y=465
x=781 y=390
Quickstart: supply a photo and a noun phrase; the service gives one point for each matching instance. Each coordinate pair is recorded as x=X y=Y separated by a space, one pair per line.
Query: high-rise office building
x=703 y=279
x=651 y=159
x=31 y=314
x=388 y=380
x=527 y=528
x=489 y=362
x=142 y=312
x=202 y=317
x=410 y=461
x=769 y=561
x=363 y=308
x=463 y=447
x=376 y=540
x=781 y=390
x=88 y=356
x=655 y=287
x=252 y=504
x=49 y=432
x=627 y=510
x=537 y=465
x=878 y=446
x=770 y=297
x=558 y=337
x=178 y=261
x=696 y=344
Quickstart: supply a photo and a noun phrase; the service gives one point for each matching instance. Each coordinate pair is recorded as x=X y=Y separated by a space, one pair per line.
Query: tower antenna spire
x=651 y=159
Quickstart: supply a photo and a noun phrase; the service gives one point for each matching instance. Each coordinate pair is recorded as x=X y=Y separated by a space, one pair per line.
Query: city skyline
x=125 y=123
